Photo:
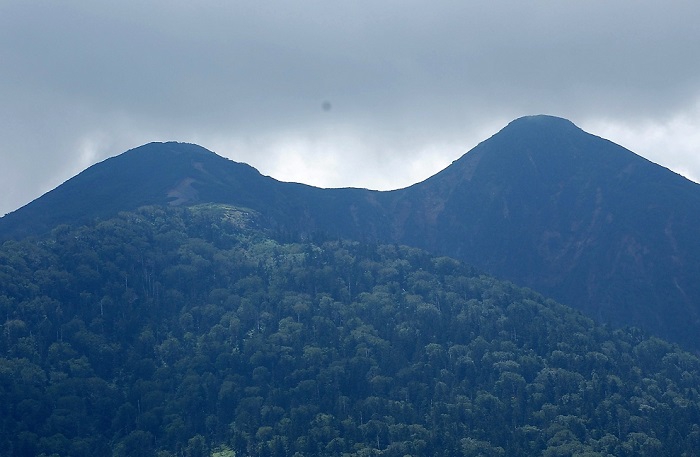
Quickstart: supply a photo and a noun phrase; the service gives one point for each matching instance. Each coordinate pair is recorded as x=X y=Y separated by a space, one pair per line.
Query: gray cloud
x=412 y=85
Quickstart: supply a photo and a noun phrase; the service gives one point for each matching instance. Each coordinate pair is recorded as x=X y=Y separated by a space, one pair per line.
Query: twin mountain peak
x=541 y=203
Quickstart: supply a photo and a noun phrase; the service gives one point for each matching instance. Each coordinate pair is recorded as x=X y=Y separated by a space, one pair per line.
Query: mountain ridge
x=541 y=203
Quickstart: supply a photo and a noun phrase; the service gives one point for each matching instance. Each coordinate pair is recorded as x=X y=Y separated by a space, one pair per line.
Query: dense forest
x=187 y=332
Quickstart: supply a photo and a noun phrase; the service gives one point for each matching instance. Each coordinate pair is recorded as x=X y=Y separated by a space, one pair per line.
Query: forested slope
x=186 y=331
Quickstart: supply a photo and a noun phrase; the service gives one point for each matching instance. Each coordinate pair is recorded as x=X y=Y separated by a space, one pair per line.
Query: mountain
x=541 y=203
x=181 y=174
x=583 y=220
x=189 y=332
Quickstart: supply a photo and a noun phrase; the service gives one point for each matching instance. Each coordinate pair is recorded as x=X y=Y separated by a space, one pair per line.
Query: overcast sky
x=377 y=94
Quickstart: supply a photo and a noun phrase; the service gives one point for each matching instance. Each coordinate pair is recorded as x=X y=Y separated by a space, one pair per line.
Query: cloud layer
x=370 y=94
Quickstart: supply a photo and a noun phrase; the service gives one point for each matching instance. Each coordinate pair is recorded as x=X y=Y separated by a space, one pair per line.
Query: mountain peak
x=526 y=143
x=552 y=144
x=538 y=125
x=174 y=147
x=541 y=120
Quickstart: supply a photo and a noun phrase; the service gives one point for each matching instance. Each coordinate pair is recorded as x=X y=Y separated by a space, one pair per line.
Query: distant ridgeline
x=541 y=203
x=188 y=331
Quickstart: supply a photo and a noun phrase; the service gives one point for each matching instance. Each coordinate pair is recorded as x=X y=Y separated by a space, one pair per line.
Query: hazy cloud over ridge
x=371 y=94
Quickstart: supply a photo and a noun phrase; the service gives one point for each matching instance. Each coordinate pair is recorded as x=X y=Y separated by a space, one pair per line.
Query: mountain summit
x=152 y=174
x=541 y=203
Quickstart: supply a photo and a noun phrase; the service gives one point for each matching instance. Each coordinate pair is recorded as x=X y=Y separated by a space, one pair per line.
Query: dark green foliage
x=185 y=332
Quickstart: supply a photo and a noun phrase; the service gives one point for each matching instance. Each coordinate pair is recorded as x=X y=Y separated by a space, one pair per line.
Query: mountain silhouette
x=541 y=203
